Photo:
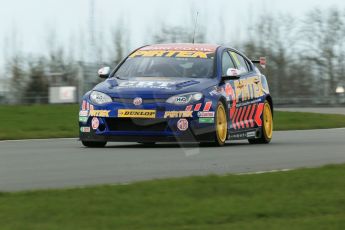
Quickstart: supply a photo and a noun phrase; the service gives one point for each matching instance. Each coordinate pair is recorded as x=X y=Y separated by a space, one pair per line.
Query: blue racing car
x=179 y=92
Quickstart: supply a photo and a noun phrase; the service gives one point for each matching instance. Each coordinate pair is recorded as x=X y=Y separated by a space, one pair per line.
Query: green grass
x=301 y=199
x=304 y=121
x=51 y=121
x=38 y=121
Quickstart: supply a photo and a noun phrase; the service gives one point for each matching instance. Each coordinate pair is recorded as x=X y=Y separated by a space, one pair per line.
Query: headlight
x=184 y=99
x=99 y=98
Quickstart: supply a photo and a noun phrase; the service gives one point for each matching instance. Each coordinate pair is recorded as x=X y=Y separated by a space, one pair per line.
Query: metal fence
x=87 y=78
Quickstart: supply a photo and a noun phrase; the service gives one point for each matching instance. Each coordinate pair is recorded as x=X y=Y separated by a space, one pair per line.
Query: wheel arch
x=270 y=100
x=223 y=100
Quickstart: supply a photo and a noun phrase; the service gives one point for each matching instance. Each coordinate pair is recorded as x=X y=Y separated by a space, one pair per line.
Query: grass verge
x=38 y=121
x=301 y=199
x=53 y=121
x=305 y=121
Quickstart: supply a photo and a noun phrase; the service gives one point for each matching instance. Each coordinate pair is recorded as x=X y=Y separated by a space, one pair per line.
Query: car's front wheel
x=221 y=123
x=92 y=144
x=221 y=128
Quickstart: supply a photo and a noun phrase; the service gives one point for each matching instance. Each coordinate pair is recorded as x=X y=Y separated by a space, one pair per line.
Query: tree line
x=306 y=57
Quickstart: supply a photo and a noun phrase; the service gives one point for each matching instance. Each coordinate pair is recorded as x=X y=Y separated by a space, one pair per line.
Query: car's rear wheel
x=221 y=123
x=92 y=144
x=267 y=127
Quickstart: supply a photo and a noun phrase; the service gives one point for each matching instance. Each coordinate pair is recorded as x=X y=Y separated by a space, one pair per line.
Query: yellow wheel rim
x=268 y=121
x=222 y=124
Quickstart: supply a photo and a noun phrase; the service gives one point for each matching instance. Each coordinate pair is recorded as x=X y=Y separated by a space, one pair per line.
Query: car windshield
x=169 y=67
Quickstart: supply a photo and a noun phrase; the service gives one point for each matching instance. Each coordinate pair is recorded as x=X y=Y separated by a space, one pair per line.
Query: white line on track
x=265 y=172
x=223 y=175
x=44 y=139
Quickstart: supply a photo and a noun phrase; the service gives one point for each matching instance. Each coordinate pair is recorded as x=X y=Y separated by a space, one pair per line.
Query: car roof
x=182 y=47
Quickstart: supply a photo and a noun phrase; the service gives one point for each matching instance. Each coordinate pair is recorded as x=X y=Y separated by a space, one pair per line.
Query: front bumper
x=111 y=127
x=186 y=137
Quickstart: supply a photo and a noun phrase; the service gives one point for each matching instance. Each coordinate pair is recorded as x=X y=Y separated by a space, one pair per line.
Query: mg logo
x=137 y=101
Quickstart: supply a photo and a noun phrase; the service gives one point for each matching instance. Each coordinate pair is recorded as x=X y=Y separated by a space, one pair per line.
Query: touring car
x=199 y=93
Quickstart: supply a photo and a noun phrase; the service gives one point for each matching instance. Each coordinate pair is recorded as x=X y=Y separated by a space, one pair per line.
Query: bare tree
x=18 y=77
x=15 y=65
x=277 y=38
x=120 y=42
x=37 y=89
x=323 y=46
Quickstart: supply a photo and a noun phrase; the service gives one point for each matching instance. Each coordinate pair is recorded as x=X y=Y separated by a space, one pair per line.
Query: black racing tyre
x=267 y=127
x=91 y=144
x=221 y=126
x=147 y=143
x=221 y=123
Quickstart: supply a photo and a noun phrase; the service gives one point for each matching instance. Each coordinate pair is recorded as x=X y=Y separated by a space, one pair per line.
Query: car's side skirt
x=244 y=135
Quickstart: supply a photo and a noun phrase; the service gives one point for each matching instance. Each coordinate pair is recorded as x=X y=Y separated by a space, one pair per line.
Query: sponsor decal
x=181 y=100
x=84 y=113
x=99 y=113
x=249 y=88
x=238 y=136
x=178 y=114
x=257 y=101
x=182 y=124
x=243 y=135
x=136 y=113
x=137 y=101
x=95 y=123
x=85 y=129
x=148 y=84
x=251 y=134
x=83 y=119
x=172 y=54
x=206 y=120
x=179 y=48
x=206 y=114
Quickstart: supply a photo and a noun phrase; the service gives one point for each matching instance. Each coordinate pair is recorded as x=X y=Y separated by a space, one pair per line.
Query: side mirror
x=232 y=74
x=104 y=72
x=262 y=61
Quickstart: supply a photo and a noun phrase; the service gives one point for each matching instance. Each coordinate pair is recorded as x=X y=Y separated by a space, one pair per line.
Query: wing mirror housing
x=232 y=74
x=262 y=62
x=104 y=72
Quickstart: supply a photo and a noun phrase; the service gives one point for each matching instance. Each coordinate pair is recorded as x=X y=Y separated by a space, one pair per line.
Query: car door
x=228 y=85
x=246 y=96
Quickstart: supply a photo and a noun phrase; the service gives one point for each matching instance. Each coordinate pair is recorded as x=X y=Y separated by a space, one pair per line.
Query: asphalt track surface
x=60 y=163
